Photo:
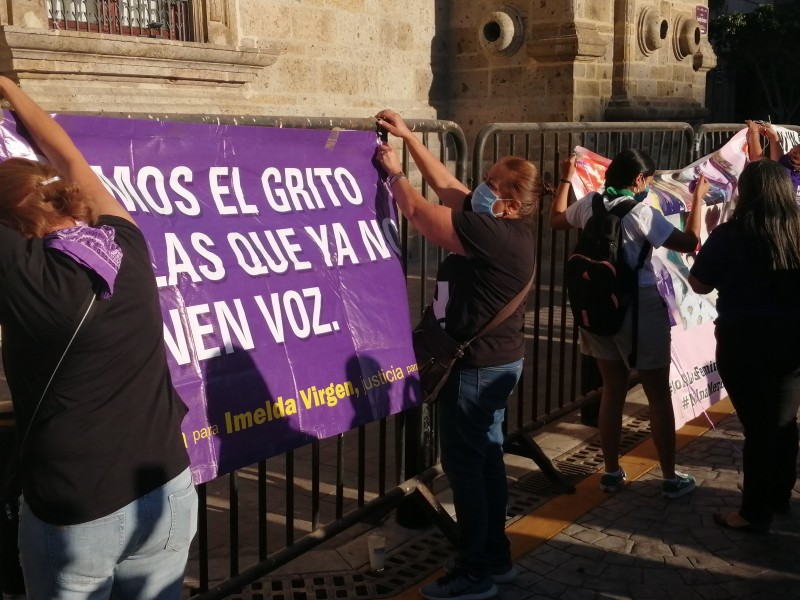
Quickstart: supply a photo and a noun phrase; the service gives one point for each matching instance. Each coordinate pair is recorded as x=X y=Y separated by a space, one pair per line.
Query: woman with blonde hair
x=487 y=231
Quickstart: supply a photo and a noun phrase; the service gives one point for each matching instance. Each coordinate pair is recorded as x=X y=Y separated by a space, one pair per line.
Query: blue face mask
x=483 y=200
x=642 y=195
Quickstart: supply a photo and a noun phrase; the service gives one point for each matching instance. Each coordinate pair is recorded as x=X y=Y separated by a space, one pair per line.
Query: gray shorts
x=653 y=339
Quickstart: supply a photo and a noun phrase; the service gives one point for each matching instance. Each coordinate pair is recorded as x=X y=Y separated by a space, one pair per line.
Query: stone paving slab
x=637 y=545
x=630 y=545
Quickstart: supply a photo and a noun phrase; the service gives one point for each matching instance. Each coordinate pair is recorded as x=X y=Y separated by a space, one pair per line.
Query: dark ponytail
x=626 y=166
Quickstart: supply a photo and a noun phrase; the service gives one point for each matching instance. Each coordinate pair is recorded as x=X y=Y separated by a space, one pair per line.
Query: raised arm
x=558 y=209
x=59 y=149
x=754 y=149
x=433 y=221
x=698 y=286
x=450 y=190
x=687 y=240
x=775 y=149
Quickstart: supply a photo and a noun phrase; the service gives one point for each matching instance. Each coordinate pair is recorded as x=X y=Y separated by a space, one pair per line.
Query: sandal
x=736 y=522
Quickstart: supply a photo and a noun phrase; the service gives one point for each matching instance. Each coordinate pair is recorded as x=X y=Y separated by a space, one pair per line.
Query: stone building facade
x=474 y=62
x=578 y=60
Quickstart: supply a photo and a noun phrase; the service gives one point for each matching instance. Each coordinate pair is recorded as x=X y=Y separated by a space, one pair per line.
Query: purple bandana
x=92 y=247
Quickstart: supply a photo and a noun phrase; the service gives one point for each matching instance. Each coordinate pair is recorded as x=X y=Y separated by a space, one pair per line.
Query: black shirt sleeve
x=710 y=265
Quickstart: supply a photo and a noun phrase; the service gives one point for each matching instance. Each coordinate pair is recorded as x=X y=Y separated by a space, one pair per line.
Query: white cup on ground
x=376 y=546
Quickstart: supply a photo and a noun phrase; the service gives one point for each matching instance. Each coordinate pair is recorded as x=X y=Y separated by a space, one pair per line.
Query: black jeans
x=759 y=362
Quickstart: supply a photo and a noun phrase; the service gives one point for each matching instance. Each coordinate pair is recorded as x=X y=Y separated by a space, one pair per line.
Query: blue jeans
x=472 y=409
x=138 y=552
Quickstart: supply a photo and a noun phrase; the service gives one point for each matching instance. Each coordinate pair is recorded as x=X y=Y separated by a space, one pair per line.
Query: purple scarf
x=91 y=247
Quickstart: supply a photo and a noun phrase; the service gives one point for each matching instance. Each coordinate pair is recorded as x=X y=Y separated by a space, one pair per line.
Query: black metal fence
x=260 y=517
x=711 y=136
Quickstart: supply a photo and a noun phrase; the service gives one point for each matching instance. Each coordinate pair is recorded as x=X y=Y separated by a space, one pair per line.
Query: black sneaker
x=506 y=573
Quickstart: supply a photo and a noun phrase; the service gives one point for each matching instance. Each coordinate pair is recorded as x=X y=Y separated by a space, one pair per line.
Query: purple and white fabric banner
x=277 y=260
x=695 y=383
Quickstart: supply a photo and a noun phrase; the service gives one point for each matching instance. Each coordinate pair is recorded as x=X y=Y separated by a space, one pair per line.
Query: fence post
x=418 y=435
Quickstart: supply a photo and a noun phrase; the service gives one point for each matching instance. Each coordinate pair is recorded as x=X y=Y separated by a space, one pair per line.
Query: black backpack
x=600 y=284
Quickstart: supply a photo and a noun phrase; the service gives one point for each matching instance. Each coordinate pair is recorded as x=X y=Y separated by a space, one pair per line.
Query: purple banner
x=277 y=260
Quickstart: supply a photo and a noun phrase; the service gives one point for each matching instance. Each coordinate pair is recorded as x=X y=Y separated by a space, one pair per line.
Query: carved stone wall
x=346 y=58
x=661 y=57
x=577 y=60
x=474 y=62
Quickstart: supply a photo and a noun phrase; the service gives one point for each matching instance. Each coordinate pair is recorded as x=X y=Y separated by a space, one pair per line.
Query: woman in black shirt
x=109 y=507
x=753 y=260
x=491 y=260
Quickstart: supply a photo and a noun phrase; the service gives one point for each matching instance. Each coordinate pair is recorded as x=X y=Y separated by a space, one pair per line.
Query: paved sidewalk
x=588 y=545
x=635 y=544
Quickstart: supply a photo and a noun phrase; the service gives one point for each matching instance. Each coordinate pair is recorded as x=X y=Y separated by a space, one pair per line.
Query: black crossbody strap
x=506 y=311
x=86 y=313
x=12 y=467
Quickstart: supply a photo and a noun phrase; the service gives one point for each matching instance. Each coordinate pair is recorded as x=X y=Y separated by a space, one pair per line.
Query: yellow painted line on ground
x=534 y=529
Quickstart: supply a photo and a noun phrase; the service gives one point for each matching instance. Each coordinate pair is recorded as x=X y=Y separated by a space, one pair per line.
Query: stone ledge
x=654 y=109
x=575 y=41
x=35 y=52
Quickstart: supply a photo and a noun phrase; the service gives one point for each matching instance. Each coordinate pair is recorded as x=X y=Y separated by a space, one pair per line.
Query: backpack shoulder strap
x=643 y=255
x=624 y=207
x=598 y=205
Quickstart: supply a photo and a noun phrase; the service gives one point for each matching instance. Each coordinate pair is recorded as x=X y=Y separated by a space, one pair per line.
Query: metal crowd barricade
x=712 y=136
x=261 y=517
x=551 y=386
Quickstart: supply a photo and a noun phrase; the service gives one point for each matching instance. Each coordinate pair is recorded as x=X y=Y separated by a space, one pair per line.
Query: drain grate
x=406 y=565
x=317 y=587
x=425 y=553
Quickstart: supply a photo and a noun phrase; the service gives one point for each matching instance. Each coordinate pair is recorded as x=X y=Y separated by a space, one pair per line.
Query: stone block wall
x=473 y=62
x=661 y=57
x=342 y=58
x=578 y=60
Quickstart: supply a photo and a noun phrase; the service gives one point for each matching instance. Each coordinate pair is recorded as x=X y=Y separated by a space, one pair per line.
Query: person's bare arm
x=445 y=185
x=434 y=222
x=687 y=240
x=59 y=149
x=775 y=149
x=754 y=149
x=558 y=208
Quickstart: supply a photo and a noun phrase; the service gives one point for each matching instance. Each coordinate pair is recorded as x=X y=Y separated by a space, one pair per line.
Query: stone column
x=25 y=13
x=220 y=19
x=660 y=58
x=534 y=61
